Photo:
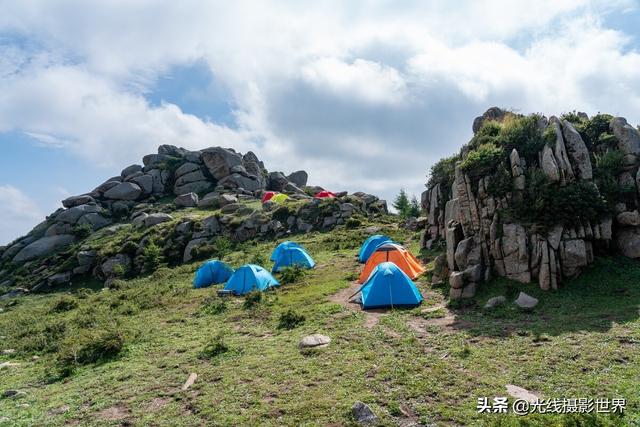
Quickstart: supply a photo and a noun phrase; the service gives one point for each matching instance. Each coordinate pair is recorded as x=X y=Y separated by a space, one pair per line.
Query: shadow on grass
x=606 y=293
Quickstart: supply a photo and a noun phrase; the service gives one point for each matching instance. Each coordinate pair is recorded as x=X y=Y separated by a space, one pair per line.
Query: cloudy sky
x=363 y=95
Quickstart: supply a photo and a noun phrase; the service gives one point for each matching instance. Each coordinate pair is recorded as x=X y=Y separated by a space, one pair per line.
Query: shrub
x=290 y=319
x=252 y=299
x=482 y=160
x=82 y=231
x=213 y=305
x=291 y=274
x=443 y=172
x=500 y=182
x=352 y=223
x=486 y=134
x=152 y=256
x=523 y=134
x=90 y=346
x=64 y=303
x=214 y=348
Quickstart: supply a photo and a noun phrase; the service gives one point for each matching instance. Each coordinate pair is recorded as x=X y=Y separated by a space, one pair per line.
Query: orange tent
x=392 y=252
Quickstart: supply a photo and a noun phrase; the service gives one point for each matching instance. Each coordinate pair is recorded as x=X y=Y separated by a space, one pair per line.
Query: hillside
x=100 y=324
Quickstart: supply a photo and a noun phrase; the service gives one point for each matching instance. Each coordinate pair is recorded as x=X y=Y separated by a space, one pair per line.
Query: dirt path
x=371 y=317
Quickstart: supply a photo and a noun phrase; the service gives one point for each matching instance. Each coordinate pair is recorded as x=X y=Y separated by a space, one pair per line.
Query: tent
x=389 y=286
x=279 y=198
x=392 y=252
x=250 y=277
x=291 y=255
x=268 y=195
x=211 y=273
x=281 y=247
x=325 y=194
x=370 y=245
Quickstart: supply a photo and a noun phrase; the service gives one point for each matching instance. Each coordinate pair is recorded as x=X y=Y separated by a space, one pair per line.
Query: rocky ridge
x=147 y=206
x=533 y=198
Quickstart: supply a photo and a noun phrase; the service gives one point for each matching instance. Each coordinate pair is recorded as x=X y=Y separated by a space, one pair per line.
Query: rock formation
x=534 y=199
x=135 y=210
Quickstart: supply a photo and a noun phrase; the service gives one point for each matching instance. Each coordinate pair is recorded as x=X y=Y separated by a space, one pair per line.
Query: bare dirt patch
x=114 y=413
x=371 y=317
x=158 y=403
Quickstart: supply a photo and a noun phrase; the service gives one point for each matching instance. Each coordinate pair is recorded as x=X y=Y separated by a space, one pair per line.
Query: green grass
x=581 y=341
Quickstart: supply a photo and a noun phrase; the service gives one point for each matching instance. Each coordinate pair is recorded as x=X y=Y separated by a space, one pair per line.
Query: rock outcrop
x=133 y=211
x=562 y=191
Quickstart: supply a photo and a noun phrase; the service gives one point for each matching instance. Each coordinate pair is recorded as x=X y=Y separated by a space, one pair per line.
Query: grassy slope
x=582 y=341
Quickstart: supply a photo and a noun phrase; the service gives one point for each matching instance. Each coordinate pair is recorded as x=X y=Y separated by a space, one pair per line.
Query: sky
x=364 y=95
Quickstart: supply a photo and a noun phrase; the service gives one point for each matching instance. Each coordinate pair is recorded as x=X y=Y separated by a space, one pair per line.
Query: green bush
x=90 y=346
x=522 y=134
x=482 y=160
x=352 y=223
x=82 y=231
x=290 y=319
x=252 y=299
x=64 y=303
x=500 y=182
x=213 y=305
x=443 y=172
x=291 y=274
x=487 y=134
x=152 y=256
x=214 y=348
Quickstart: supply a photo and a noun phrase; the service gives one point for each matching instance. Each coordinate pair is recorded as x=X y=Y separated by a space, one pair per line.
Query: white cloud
x=364 y=96
x=18 y=213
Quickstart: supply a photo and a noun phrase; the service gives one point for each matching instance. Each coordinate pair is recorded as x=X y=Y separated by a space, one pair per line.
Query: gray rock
x=42 y=247
x=160 y=179
x=291 y=188
x=469 y=291
x=363 y=414
x=86 y=257
x=276 y=181
x=577 y=150
x=59 y=228
x=493 y=113
x=130 y=170
x=105 y=186
x=151 y=161
x=187 y=168
x=526 y=301
x=549 y=165
x=628 y=241
x=628 y=136
x=211 y=225
x=495 y=301
x=145 y=182
x=188 y=200
x=187 y=256
x=124 y=191
x=210 y=200
x=72 y=201
x=299 y=178
x=139 y=219
x=192 y=187
x=315 y=340
x=72 y=215
x=95 y=220
x=116 y=266
x=156 y=218
x=171 y=150
x=120 y=209
x=628 y=218
x=237 y=180
x=219 y=161
x=573 y=256
x=190 y=177
x=59 y=278
x=231 y=208
x=456 y=279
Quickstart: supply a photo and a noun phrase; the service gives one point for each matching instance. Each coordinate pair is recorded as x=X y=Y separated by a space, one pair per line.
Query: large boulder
x=276 y=181
x=219 y=161
x=72 y=215
x=299 y=178
x=187 y=168
x=116 y=266
x=238 y=180
x=72 y=201
x=124 y=191
x=192 y=187
x=628 y=136
x=156 y=218
x=145 y=182
x=130 y=170
x=42 y=247
x=577 y=150
x=628 y=241
x=188 y=200
x=188 y=256
x=493 y=113
x=95 y=221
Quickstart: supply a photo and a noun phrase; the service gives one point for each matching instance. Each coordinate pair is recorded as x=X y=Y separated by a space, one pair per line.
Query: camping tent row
x=387 y=274
x=252 y=277
x=274 y=196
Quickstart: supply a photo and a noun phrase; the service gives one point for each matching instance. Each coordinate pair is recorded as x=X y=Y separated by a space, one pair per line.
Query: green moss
x=483 y=160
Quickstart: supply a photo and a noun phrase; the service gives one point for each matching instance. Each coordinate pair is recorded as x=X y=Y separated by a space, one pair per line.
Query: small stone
x=9 y=351
x=495 y=301
x=192 y=379
x=363 y=414
x=6 y=365
x=521 y=393
x=526 y=301
x=315 y=340
x=13 y=393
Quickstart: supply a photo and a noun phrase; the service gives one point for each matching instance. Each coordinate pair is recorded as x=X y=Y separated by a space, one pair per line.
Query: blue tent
x=282 y=246
x=249 y=278
x=290 y=256
x=389 y=286
x=369 y=246
x=211 y=273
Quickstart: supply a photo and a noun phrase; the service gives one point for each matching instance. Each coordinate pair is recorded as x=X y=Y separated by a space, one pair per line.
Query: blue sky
x=364 y=97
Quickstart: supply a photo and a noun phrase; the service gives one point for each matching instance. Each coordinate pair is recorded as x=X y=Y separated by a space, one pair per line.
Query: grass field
x=121 y=356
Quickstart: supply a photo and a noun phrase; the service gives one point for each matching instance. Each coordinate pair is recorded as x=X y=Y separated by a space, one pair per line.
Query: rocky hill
x=533 y=198
x=178 y=205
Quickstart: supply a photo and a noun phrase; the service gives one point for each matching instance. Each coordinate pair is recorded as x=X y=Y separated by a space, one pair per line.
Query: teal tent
x=249 y=278
x=282 y=246
x=290 y=256
x=389 y=286
x=211 y=273
x=370 y=245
